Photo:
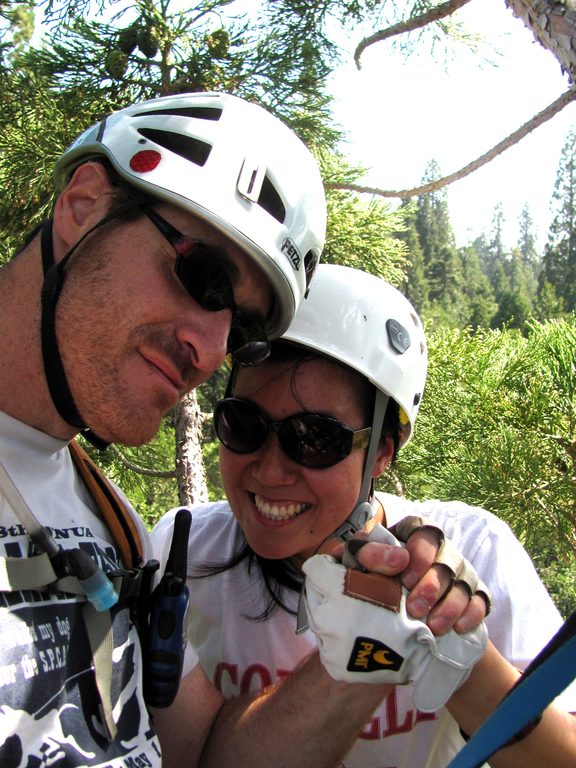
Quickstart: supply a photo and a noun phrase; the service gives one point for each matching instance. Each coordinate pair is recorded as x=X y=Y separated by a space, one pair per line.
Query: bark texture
x=553 y=24
x=192 y=486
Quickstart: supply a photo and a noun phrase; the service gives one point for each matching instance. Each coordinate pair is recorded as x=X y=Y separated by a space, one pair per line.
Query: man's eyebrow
x=233 y=270
x=220 y=252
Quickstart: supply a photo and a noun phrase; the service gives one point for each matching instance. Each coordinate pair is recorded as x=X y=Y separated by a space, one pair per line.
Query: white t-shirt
x=240 y=654
x=48 y=701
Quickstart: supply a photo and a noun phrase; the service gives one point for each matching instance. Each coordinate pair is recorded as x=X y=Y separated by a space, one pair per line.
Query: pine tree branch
x=432 y=186
x=145 y=471
x=417 y=22
x=547 y=486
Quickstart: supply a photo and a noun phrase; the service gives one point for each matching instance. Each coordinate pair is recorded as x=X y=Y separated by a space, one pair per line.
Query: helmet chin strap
x=363 y=510
x=53 y=366
x=54 y=275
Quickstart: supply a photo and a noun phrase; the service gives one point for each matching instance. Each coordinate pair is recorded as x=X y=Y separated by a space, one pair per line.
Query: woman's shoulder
x=212 y=520
x=457 y=519
x=212 y=526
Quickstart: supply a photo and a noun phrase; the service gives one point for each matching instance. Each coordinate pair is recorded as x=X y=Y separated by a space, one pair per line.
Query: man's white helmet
x=231 y=163
x=362 y=321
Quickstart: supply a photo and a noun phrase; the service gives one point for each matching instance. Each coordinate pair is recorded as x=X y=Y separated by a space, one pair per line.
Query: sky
x=399 y=114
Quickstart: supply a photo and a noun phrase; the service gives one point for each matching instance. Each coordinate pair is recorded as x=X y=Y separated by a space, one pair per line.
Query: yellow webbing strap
x=127 y=538
x=118 y=519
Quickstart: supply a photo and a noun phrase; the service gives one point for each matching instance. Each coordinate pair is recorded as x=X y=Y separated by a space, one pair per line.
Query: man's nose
x=205 y=335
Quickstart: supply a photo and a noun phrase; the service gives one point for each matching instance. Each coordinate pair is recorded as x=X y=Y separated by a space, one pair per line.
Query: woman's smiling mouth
x=278 y=511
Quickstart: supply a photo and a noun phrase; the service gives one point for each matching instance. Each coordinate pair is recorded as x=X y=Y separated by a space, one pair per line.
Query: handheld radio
x=166 y=641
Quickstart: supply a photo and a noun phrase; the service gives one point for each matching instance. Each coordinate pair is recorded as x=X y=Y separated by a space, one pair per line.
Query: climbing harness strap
x=55 y=569
x=121 y=524
x=545 y=678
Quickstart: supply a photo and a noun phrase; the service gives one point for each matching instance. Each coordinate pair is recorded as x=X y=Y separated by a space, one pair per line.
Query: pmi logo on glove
x=369 y=655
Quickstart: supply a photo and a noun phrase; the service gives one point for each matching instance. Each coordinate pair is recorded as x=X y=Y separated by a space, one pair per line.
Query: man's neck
x=23 y=391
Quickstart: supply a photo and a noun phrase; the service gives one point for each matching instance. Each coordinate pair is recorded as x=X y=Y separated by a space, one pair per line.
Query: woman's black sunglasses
x=313 y=440
x=205 y=274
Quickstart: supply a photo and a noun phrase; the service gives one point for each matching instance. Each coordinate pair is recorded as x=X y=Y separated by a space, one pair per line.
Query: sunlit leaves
x=497 y=428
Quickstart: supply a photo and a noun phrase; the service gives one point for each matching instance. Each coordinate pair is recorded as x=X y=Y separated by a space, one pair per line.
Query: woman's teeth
x=278 y=511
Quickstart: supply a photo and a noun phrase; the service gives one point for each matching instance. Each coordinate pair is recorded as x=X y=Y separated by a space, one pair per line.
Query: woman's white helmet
x=232 y=164
x=362 y=321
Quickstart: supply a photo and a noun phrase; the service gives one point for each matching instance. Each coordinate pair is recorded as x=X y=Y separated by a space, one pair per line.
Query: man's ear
x=83 y=202
x=384 y=456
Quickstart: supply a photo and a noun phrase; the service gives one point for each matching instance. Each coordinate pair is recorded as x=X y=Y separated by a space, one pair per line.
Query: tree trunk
x=553 y=23
x=192 y=486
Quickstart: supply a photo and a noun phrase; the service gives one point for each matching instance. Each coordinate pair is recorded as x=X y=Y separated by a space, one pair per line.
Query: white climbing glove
x=365 y=635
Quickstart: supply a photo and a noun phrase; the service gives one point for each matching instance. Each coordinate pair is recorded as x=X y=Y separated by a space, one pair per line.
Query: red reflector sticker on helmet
x=145 y=160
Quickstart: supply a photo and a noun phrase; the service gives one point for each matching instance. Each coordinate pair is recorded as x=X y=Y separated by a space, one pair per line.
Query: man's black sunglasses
x=313 y=440
x=205 y=274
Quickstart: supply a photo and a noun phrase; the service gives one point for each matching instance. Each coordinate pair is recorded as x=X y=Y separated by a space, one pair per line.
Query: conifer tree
x=547 y=304
x=559 y=262
x=527 y=239
x=479 y=294
x=515 y=301
x=443 y=268
x=530 y=259
x=416 y=285
x=495 y=254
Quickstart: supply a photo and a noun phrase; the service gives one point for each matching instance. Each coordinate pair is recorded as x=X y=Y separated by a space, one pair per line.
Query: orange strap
x=119 y=520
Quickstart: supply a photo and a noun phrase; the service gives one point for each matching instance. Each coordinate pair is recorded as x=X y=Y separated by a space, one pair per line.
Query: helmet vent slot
x=270 y=200
x=200 y=113
x=194 y=150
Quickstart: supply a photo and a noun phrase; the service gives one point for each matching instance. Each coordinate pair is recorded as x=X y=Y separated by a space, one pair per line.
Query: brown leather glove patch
x=385 y=591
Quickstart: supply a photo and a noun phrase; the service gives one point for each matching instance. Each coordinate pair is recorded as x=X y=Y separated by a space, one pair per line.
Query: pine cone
x=128 y=39
x=116 y=63
x=148 y=39
x=218 y=43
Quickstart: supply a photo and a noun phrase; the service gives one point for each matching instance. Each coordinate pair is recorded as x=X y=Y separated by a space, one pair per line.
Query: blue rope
x=546 y=677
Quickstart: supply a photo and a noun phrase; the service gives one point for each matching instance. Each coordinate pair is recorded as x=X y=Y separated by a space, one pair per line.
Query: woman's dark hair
x=278 y=575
